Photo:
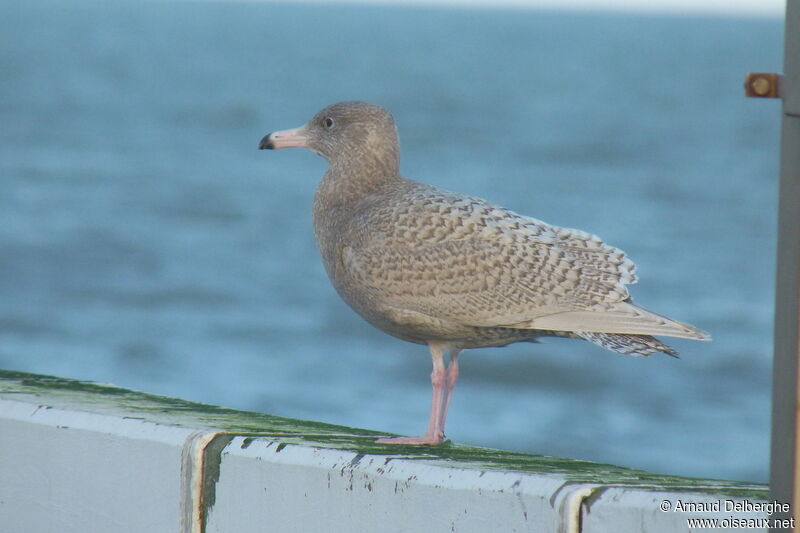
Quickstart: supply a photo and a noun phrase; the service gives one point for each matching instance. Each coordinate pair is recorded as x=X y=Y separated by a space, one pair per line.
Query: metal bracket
x=763 y=85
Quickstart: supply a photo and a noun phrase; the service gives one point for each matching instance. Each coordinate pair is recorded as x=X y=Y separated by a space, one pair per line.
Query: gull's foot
x=430 y=440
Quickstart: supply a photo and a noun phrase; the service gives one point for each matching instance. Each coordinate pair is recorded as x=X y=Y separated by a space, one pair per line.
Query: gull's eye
x=327 y=122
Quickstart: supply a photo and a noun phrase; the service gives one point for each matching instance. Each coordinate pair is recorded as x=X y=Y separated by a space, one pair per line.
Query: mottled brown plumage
x=452 y=271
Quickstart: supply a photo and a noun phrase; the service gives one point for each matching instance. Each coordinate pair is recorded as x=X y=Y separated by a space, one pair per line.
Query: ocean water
x=145 y=241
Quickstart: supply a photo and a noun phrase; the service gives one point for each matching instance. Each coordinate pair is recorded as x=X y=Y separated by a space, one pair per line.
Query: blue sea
x=145 y=241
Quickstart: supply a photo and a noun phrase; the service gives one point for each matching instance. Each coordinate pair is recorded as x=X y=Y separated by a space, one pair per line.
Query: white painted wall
x=84 y=462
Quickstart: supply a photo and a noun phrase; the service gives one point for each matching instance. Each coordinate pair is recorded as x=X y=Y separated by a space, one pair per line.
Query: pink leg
x=442 y=380
x=452 y=377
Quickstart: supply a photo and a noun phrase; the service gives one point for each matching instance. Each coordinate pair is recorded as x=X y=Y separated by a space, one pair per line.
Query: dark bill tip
x=266 y=143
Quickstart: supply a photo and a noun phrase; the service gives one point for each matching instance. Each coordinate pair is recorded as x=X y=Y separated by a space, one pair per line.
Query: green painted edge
x=51 y=391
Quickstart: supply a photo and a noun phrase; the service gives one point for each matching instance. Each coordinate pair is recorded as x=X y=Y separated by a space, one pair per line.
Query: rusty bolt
x=762 y=85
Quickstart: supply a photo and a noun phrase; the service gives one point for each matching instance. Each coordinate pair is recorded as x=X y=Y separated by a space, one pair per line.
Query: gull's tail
x=636 y=345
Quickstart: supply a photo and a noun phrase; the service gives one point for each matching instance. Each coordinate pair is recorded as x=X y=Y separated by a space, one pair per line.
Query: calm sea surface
x=145 y=241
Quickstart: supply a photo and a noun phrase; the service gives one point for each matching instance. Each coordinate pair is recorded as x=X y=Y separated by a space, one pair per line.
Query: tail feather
x=636 y=345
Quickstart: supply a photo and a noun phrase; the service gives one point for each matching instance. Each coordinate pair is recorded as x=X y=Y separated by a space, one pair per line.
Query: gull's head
x=352 y=131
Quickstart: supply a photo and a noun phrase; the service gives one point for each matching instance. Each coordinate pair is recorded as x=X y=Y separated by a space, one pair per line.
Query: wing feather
x=464 y=260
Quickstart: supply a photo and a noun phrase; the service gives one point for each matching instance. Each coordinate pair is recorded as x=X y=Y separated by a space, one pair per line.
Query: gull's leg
x=452 y=377
x=439 y=383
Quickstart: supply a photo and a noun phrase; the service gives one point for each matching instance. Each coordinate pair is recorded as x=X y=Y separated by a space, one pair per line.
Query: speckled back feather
x=465 y=260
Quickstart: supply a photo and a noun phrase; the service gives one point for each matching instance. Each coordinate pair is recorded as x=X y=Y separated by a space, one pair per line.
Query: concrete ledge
x=77 y=456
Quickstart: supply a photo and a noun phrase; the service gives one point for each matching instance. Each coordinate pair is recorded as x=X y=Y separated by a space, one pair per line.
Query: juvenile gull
x=452 y=271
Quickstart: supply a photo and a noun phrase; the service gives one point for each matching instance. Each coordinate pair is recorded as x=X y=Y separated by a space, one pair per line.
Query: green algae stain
x=154 y=408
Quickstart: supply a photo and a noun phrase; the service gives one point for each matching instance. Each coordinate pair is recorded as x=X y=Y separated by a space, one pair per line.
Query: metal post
x=784 y=474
